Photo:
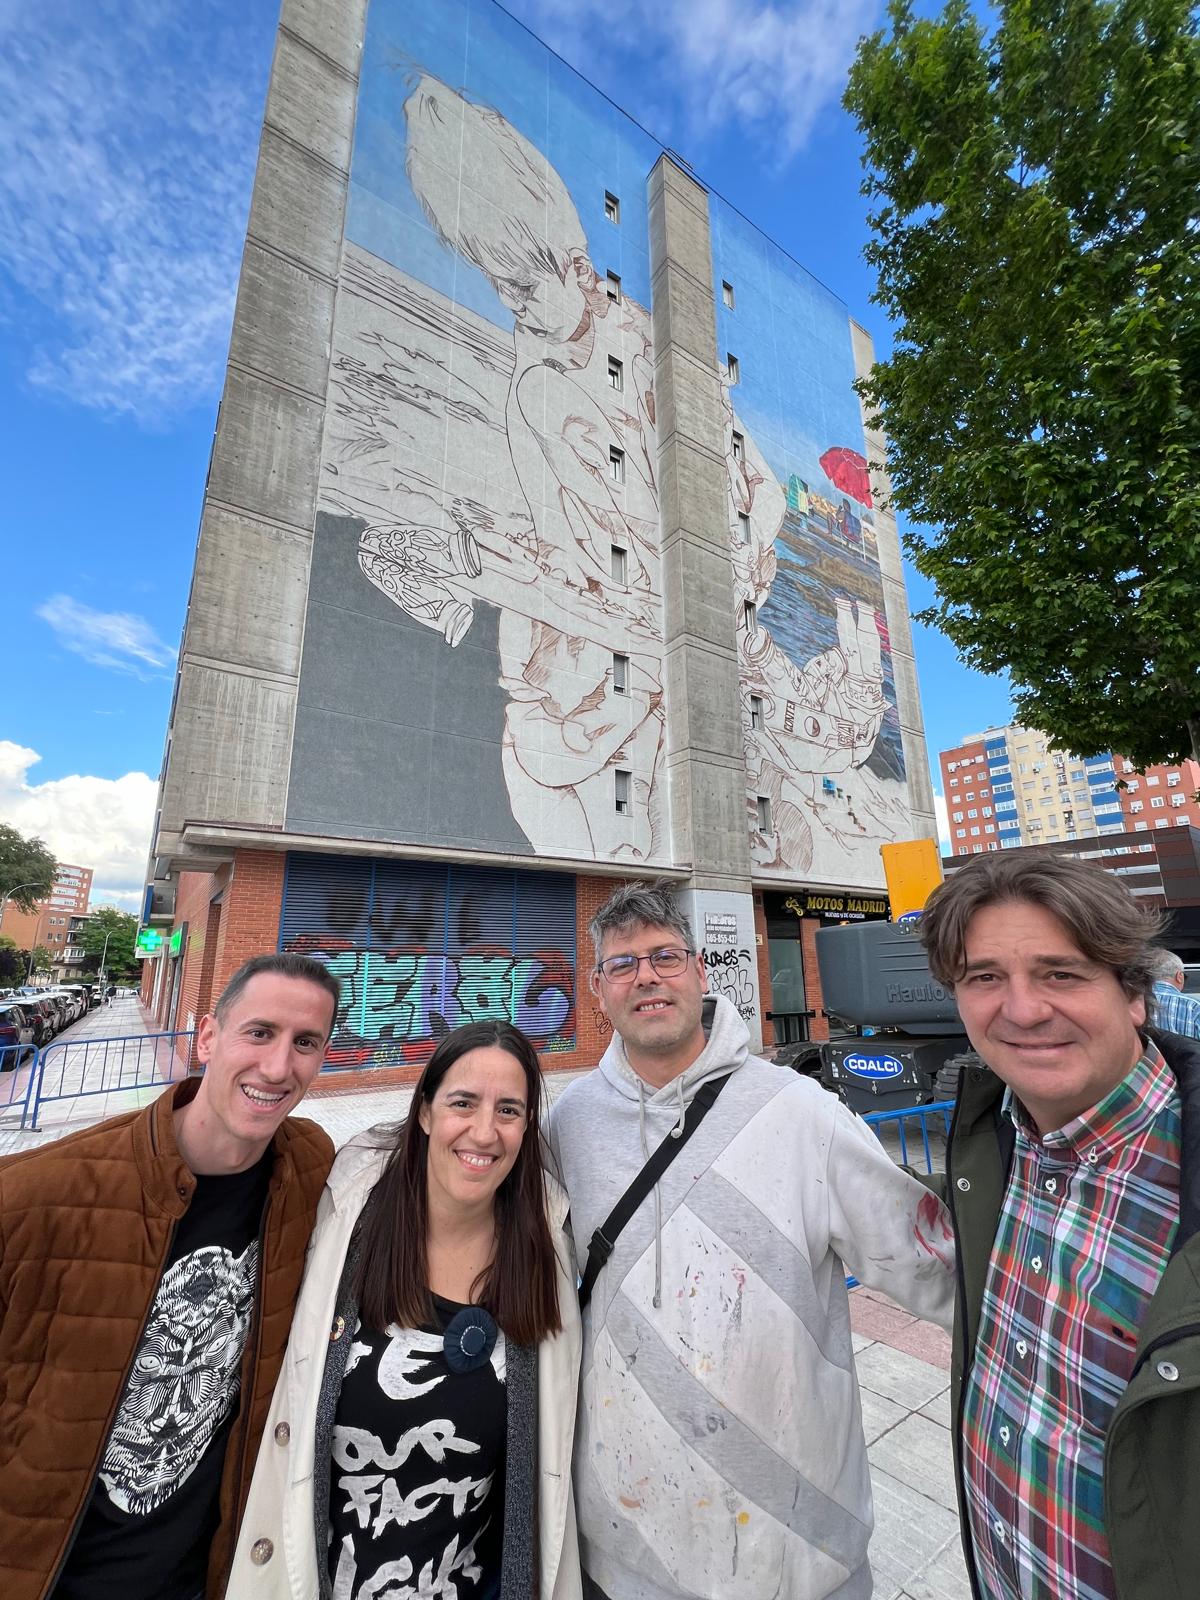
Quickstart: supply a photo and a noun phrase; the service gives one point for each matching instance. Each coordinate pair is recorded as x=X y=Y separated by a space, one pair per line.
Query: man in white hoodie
x=720 y=1452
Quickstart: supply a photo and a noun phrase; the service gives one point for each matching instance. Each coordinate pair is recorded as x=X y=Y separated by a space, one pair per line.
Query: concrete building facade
x=539 y=549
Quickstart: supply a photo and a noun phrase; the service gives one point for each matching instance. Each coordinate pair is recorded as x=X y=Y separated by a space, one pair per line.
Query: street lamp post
x=101 y=974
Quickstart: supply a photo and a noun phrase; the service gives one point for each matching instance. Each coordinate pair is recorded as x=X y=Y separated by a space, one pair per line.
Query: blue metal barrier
x=77 y=1068
x=940 y=1110
x=17 y=1066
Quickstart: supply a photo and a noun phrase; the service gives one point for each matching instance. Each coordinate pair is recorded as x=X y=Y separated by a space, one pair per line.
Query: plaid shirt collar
x=1100 y=1134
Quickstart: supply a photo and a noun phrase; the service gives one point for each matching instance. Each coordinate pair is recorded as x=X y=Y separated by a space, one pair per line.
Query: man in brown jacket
x=148 y=1271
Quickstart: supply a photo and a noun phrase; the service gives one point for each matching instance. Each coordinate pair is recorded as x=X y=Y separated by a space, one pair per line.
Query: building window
x=622 y=791
x=727 y=294
x=974 y=833
x=1162 y=822
x=612 y=207
x=987 y=811
x=1153 y=782
x=1133 y=787
x=958 y=816
x=618 y=564
x=750 y=615
x=743 y=528
x=960 y=833
x=616 y=464
x=954 y=782
x=1178 y=799
x=732 y=367
x=756 y=712
x=1172 y=780
x=763 y=807
x=739 y=447
x=616 y=374
x=971 y=810
x=1182 y=822
x=989 y=827
x=613 y=284
x=620 y=674
x=1141 y=827
x=1157 y=801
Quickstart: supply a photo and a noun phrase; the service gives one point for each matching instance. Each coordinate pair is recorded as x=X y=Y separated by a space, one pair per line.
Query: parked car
x=44 y=1015
x=16 y=1035
x=70 y=1003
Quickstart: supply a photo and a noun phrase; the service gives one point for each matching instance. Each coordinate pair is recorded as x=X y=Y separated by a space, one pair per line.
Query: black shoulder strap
x=606 y=1235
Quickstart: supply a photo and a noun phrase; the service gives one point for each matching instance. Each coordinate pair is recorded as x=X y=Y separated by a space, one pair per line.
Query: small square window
x=620 y=674
x=1172 y=779
x=727 y=294
x=750 y=615
x=743 y=528
x=1153 y=781
x=1157 y=801
x=612 y=207
x=616 y=374
x=613 y=284
x=960 y=833
x=621 y=791
x=1182 y=822
x=732 y=367
x=756 y=711
x=618 y=564
x=616 y=464
x=1178 y=799
x=739 y=447
x=762 y=806
x=958 y=816
x=1162 y=822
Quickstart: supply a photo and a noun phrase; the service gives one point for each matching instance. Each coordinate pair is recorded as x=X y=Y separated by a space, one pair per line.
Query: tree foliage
x=1036 y=233
x=121 y=930
x=25 y=863
x=12 y=963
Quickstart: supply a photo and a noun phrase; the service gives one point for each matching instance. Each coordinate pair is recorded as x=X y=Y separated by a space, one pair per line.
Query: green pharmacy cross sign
x=149 y=943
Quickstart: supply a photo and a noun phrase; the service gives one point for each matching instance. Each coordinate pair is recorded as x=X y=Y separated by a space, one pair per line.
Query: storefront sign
x=843 y=907
x=149 y=943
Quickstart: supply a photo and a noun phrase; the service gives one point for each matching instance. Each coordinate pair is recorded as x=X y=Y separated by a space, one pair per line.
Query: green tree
x=39 y=959
x=121 y=931
x=1035 y=232
x=12 y=963
x=27 y=868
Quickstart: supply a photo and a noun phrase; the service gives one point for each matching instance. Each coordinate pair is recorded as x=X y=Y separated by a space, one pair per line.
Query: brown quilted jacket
x=85 y=1228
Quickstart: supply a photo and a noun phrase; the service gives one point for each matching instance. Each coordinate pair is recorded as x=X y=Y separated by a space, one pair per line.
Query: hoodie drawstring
x=675 y=1133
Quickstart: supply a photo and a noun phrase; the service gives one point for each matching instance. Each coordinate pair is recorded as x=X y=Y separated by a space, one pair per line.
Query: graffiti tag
x=729 y=974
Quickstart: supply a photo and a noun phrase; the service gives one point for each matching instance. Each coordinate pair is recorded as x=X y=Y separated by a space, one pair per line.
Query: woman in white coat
x=419 y=1442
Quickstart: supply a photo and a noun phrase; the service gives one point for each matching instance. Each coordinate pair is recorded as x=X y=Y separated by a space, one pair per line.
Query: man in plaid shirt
x=1073 y=1175
x=1172 y=1010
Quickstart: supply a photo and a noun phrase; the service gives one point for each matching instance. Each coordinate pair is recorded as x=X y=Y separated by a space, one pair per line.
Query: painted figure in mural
x=578 y=577
x=813 y=721
x=423 y=1446
x=720 y=1452
x=149 y=1272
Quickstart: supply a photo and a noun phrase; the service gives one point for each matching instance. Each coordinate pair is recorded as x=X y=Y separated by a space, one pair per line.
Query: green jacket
x=1152 y=1454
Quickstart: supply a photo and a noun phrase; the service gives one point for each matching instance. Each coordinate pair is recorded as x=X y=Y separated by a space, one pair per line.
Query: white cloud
x=102 y=823
x=126 y=153
x=117 y=639
x=768 y=69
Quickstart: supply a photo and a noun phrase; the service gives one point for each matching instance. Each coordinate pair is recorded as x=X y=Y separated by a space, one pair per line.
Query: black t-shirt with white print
x=416 y=1501
x=154 y=1509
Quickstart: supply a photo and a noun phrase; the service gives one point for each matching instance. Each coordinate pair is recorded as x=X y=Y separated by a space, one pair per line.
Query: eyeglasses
x=668 y=963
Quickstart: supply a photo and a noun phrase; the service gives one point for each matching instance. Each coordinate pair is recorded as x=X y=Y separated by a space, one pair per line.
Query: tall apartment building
x=539 y=550
x=1036 y=794
x=50 y=922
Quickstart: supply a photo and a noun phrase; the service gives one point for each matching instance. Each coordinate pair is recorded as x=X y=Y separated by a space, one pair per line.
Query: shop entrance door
x=789 y=1009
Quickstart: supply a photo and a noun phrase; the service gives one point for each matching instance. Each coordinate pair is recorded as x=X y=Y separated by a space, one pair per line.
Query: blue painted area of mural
x=795 y=398
x=475 y=47
x=420 y=949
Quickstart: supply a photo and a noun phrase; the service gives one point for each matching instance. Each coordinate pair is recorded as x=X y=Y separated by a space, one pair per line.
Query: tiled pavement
x=903 y=1364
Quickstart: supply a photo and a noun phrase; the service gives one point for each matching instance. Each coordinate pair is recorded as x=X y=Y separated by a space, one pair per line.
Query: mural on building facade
x=419 y=950
x=489 y=469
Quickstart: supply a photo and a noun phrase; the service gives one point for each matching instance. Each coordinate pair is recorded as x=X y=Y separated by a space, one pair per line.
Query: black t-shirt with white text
x=416 y=1503
x=154 y=1509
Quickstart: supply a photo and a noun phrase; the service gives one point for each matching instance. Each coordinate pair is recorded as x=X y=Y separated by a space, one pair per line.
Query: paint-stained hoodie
x=720 y=1450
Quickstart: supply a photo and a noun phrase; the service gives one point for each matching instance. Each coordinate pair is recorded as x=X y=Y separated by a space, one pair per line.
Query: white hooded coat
x=720 y=1451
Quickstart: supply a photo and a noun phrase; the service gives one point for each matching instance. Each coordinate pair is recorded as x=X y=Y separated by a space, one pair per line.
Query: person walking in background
x=1171 y=1009
x=720 y=1450
x=148 y=1270
x=1074 y=1181
x=420 y=1438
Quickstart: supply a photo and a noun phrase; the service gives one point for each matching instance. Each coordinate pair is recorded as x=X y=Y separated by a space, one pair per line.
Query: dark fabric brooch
x=469 y=1339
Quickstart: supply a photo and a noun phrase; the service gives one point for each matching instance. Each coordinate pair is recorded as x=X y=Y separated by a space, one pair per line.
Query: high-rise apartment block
x=51 y=921
x=1011 y=786
x=540 y=548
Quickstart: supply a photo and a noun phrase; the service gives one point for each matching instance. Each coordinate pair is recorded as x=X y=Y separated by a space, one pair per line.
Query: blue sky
x=127 y=155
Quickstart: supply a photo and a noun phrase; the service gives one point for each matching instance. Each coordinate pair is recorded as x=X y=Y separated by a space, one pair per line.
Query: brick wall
x=249 y=923
x=763 y=957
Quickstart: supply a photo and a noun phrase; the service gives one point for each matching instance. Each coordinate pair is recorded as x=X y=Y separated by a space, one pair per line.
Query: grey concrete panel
x=898 y=1376
x=693 y=489
x=284 y=321
x=267 y=451
x=335 y=30
x=413 y=726
x=687 y=401
x=911 y=1532
x=879 y=1414
x=676 y=217
x=683 y=312
x=229 y=746
x=698 y=594
x=918 y=1449
x=703 y=712
x=248 y=593
x=311 y=101
x=298 y=204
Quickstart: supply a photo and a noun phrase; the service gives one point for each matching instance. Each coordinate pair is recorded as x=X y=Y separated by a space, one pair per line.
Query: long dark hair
x=519 y=1288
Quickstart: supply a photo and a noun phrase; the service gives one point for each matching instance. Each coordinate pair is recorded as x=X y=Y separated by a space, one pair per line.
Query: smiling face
x=259 y=1059
x=659 y=1019
x=1057 y=1027
x=475 y=1123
